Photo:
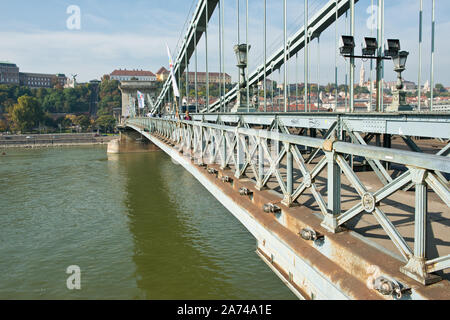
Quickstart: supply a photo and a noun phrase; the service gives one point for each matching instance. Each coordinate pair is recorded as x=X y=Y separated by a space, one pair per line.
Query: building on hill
x=41 y=80
x=214 y=77
x=162 y=74
x=407 y=85
x=60 y=79
x=269 y=85
x=9 y=74
x=129 y=75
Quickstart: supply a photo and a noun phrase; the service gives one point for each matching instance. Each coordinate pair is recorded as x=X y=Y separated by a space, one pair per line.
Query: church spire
x=362 y=75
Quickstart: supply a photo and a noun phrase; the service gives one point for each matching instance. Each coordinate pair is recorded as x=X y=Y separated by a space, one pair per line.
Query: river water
x=137 y=225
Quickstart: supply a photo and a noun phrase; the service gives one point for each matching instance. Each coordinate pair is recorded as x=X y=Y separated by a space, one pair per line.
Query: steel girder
x=192 y=37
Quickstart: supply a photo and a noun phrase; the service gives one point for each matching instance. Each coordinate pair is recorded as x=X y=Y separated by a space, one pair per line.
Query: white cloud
x=89 y=54
x=97 y=20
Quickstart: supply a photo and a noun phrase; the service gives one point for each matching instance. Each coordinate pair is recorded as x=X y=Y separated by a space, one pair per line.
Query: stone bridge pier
x=131 y=141
x=129 y=90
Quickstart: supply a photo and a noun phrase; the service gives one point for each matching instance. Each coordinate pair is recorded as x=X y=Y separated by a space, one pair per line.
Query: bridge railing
x=262 y=155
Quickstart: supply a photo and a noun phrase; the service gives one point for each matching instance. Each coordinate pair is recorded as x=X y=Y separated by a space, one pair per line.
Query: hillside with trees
x=59 y=109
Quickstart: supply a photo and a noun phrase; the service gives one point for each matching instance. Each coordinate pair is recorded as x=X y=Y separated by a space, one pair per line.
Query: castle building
x=9 y=74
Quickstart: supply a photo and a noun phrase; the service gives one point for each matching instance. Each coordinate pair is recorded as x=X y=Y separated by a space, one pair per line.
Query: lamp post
x=399 y=67
x=393 y=52
x=398 y=95
x=242 y=103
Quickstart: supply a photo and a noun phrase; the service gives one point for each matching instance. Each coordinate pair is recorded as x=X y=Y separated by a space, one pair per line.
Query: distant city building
x=407 y=85
x=9 y=74
x=61 y=79
x=128 y=75
x=162 y=74
x=269 y=85
x=214 y=77
x=36 y=80
x=41 y=80
x=391 y=85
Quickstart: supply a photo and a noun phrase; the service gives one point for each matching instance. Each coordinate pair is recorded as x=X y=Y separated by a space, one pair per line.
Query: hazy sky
x=132 y=34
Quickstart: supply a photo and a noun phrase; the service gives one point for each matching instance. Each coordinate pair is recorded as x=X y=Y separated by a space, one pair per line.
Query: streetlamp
x=398 y=95
x=241 y=55
x=399 y=67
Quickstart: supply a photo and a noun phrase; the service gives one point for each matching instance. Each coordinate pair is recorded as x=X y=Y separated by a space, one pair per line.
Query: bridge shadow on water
x=186 y=244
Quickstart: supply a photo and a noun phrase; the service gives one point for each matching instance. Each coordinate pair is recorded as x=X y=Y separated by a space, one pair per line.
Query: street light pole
x=379 y=66
x=241 y=55
x=432 y=56
x=419 y=105
x=352 y=60
x=305 y=50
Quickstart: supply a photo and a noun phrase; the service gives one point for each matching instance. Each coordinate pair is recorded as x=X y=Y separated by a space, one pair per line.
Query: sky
x=133 y=34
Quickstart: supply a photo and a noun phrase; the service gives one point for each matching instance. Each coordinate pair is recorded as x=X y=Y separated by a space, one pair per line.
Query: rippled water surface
x=137 y=225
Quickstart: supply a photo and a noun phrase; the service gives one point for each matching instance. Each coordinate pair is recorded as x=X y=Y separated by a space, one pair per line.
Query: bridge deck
x=399 y=208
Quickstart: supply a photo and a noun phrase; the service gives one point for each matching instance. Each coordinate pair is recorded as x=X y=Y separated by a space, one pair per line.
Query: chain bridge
x=343 y=203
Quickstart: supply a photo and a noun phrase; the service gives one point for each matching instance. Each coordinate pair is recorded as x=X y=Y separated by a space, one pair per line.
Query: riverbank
x=53 y=140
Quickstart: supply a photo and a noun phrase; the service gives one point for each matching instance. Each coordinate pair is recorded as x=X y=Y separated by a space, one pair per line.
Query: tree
x=54 y=102
x=63 y=122
x=4 y=125
x=27 y=113
x=359 y=90
x=343 y=88
x=110 y=97
x=22 y=91
x=106 y=123
x=70 y=120
x=330 y=88
x=48 y=121
x=83 y=121
x=440 y=88
x=7 y=97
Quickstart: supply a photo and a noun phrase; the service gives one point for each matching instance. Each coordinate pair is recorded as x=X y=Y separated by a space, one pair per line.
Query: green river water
x=137 y=225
